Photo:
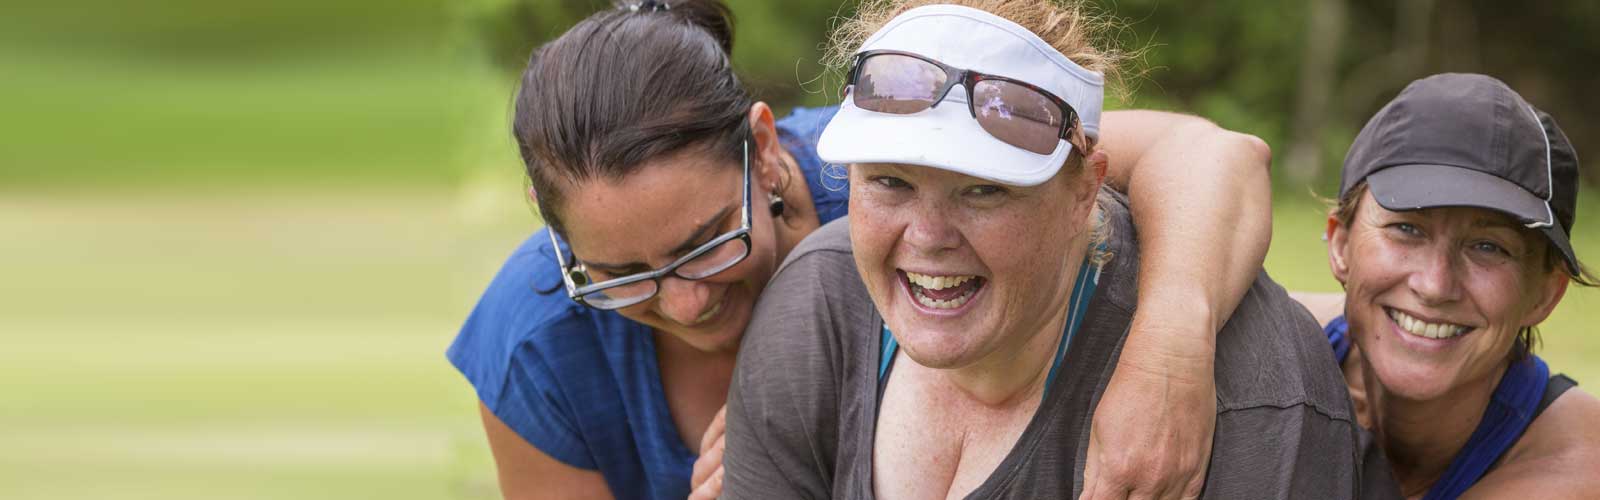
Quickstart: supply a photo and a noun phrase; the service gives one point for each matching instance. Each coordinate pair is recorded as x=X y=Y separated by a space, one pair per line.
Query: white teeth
x=937 y=282
x=710 y=313
x=1424 y=329
x=942 y=304
x=929 y=282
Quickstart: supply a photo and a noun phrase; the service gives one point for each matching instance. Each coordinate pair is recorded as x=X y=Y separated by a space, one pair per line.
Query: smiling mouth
x=942 y=292
x=711 y=313
x=1425 y=329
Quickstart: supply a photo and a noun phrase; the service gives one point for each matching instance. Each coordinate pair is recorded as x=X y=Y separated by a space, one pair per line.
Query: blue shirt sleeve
x=829 y=183
x=506 y=346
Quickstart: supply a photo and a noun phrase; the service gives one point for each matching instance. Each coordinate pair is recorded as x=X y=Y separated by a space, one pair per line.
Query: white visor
x=947 y=136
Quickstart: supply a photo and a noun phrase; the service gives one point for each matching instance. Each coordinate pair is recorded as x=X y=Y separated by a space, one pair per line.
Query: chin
x=1413 y=380
x=939 y=346
x=723 y=337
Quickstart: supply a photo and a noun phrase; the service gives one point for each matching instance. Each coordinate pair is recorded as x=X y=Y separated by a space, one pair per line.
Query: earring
x=775 y=203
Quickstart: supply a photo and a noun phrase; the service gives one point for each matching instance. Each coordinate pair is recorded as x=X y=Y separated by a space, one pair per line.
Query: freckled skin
x=1465 y=266
x=1026 y=242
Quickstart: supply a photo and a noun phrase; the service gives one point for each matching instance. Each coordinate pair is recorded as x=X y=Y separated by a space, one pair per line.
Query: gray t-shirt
x=802 y=412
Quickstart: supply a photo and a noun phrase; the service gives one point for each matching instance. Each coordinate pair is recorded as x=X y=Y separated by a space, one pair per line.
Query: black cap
x=1466 y=140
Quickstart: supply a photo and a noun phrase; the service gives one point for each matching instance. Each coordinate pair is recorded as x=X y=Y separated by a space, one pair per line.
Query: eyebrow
x=1495 y=223
x=682 y=248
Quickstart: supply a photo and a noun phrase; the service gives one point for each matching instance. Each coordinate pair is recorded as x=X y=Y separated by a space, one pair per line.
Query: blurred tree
x=1302 y=75
x=776 y=44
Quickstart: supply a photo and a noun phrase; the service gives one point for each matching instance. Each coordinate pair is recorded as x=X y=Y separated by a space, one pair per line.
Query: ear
x=1551 y=288
x=533 y=195
x=1338 y=237
x=1097 y=162
x=766 y=153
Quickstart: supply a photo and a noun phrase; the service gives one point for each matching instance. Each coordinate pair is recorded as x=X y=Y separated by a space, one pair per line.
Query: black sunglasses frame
x=969 y=79
x=577 y=279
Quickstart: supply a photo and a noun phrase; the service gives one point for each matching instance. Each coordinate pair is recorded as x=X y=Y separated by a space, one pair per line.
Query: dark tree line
x=1303 y=75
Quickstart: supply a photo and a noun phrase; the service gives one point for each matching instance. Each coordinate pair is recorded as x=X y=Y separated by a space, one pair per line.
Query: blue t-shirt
x=582 y=385
x=1518 y=398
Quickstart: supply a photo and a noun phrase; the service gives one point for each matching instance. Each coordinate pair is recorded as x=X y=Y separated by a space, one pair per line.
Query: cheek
x=873 y=231
x=1506 y=294
x=1373 y=264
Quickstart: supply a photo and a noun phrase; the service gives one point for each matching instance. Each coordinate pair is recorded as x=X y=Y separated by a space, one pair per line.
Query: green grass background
x=238 y=279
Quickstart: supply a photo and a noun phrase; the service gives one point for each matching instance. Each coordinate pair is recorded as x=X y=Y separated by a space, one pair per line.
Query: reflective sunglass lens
x=897 y=84
x=1018 y=115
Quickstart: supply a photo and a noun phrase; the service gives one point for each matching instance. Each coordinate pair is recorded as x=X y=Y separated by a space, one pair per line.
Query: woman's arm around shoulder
x=527 y=473
x=1558 y=456
x=1201 y=202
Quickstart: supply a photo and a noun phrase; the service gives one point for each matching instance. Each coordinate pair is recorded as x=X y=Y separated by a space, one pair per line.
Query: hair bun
x=650 y=6
x=710 y=15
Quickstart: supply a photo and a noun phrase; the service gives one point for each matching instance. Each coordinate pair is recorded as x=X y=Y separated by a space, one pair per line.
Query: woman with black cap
x=1451 y=241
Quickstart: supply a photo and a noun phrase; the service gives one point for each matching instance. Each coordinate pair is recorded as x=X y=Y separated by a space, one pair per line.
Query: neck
x=670 y=347
x=1016 y=373
x=1422 y=437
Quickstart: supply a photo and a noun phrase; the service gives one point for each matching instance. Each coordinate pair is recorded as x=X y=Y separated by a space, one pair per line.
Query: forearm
x=1201 y=201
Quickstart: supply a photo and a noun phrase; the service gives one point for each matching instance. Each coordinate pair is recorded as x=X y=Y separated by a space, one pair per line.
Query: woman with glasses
x=955 y=334
x=1451 y=239
x=603 y=350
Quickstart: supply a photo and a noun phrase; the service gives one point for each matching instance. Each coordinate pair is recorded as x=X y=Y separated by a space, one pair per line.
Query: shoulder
x=1556 y=457
x=1324 y=306
x=815 y=296
x=806 y=122
x=828 y=183
x=804 y=361
x=811 y=327
x=523 y=325
x=1272 y=352
x=1122 y=249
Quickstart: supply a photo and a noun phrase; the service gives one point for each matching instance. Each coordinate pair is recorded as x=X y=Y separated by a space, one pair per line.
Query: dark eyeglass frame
x=573 y=272
x=968 y=79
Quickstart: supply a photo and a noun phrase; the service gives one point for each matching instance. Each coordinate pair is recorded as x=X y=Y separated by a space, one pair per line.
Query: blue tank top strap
x=889 y=348
x=1083 y=288
x=1510 y=411
x=1338 y=332
x=1512 y=408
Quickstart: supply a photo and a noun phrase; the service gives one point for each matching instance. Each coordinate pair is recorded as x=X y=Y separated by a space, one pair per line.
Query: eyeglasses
x=717 y=255
x=1016 y=112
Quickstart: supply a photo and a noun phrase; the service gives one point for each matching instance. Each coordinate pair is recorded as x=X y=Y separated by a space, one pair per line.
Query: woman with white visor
x=953 y=336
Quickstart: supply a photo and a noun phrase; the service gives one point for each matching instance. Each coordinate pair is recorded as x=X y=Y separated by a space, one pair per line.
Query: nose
x=682 y=300
x=1435 y=278
x=929 y=231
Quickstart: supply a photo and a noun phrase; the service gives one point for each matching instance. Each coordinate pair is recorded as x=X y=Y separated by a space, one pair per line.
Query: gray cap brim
x=1418 y=186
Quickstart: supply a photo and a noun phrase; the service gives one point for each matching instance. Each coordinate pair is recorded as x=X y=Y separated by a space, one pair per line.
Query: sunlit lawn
x=242 y=345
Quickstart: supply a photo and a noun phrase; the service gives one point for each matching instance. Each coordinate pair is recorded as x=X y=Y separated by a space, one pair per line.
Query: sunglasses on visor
x=1015 y=112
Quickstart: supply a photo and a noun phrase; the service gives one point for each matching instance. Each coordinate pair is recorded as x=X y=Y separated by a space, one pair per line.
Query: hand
x=706 y=481
x=1151 y=433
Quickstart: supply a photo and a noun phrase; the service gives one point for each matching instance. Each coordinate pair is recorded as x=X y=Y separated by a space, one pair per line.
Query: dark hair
x=624 y=86
x=1528 y=337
